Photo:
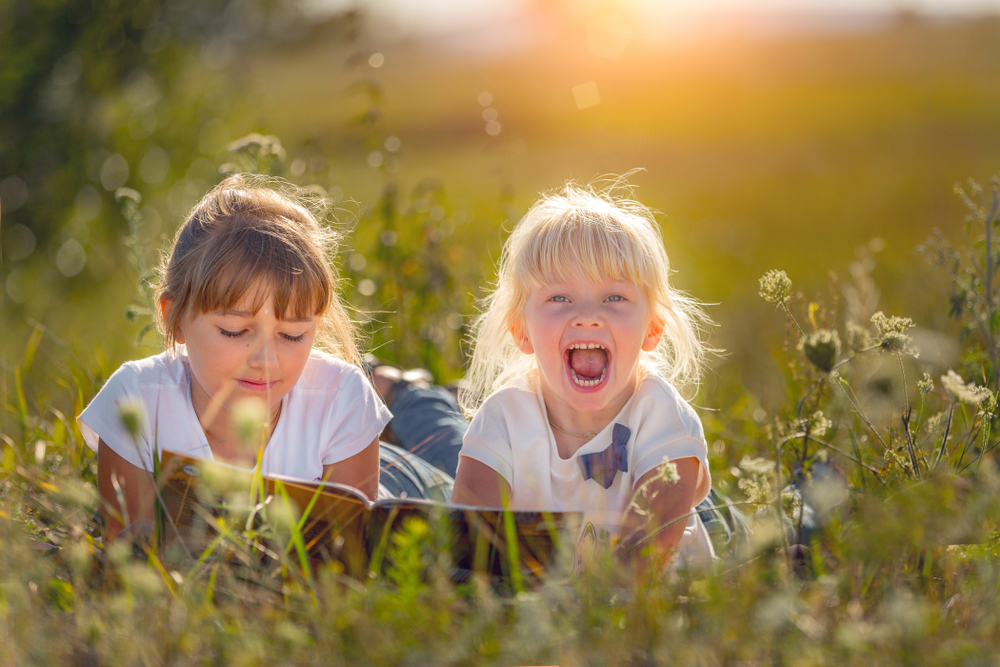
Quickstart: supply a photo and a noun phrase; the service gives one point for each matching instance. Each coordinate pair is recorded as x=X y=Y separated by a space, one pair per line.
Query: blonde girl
x=243 y=297
x=578 y=351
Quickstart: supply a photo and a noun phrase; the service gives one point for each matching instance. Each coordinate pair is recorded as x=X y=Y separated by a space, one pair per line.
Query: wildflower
x=757 y=489
x=791 y=501
x=822 y=348
x=988 y=406
x=248 y=418
x=755 y=480
x=817 y=424
x=933 y=422
x=668 y=471
x=885 y=324
x=774 y=286
x=926 y=385
x=857 y=337
x=258 y=145
x=966 y=393
x=891 y=333
x=132 y=414
x=756 y=466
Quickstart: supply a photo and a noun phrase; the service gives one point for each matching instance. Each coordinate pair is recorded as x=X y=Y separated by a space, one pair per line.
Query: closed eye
x=294 y=339
x=232 y=334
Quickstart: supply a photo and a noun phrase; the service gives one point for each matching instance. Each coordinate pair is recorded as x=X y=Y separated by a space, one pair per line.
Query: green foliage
x=897 y=565
x=893 y=454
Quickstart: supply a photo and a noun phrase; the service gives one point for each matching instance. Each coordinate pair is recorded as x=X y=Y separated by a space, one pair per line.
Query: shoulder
x=509 y=415
x=156 y=370
x=666 y=426
x=507 y=422
x=516 y=400
x=657 y=402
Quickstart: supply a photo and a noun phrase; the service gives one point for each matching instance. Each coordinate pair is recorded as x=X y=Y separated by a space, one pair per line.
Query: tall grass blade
x=513 y=551
x=31 y=348
x=296 y=532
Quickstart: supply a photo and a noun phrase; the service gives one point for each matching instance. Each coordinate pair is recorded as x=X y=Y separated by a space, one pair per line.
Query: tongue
x=588 y=363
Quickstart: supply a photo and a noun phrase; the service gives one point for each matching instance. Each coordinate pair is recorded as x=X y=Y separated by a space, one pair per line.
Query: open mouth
x=588 y=363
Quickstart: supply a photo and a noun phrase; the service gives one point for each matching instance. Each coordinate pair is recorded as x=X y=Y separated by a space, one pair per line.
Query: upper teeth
x=586 y=346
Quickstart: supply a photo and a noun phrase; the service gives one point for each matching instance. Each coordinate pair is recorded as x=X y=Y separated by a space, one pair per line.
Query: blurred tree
x=98 y=95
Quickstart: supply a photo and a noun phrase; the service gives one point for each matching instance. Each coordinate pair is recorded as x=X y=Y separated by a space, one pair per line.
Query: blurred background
x=813 y=137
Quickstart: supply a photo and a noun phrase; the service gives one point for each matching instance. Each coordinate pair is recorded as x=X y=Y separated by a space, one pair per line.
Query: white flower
x=966 y=393
x=757 y=489
x=857 y=337
x=774 y=286
x=756 y=466
x=817 y=424
x=668 y=471
x=891 y=333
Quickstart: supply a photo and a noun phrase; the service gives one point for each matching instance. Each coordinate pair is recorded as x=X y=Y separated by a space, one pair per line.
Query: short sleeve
x=102 y=419
x=671 y=429
x=355 y=417
x=488 y=441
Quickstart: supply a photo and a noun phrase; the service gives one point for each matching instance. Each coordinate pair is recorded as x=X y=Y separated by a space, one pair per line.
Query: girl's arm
x=656 y=503
x=136 y=488
x=479 y=485
x=360 y=471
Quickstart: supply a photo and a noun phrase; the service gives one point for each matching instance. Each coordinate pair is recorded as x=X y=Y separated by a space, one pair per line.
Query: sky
x=427 y=17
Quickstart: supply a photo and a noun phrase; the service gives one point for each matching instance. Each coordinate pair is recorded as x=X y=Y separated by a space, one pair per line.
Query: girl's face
x=587 y=338
x=235 y=354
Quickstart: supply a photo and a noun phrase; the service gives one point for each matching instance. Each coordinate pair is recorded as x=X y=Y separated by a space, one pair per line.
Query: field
x=808 y=153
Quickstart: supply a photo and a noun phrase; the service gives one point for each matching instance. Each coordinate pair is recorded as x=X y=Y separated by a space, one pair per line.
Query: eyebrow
x=248 y=314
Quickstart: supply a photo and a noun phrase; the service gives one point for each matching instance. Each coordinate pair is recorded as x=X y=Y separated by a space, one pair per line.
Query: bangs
x=260 y=262
x=595 y=245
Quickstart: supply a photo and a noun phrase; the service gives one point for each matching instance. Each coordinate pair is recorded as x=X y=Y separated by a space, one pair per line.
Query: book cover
x=339 y=524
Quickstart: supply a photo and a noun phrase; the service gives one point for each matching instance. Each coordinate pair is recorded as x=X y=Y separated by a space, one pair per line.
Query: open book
x=343 y=526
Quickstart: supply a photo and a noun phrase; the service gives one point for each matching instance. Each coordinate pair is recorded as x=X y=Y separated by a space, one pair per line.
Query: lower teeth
x=588 y=383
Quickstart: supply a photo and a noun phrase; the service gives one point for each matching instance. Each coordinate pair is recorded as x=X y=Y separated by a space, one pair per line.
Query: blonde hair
x=605 y=235
x=259 y=235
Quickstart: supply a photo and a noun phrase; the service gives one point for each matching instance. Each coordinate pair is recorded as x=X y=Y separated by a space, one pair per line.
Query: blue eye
x=232 y=334
x=559 y=298
x=615 y=297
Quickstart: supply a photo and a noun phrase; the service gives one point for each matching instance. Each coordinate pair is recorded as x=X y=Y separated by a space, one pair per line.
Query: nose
x=263 y=357
x=586 y=315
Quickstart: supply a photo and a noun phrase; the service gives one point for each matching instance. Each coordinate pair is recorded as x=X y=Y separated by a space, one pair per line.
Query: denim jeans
x=404 y=475
x=427 y=422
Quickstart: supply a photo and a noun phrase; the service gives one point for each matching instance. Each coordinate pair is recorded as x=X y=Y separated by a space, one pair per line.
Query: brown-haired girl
x=243 y=297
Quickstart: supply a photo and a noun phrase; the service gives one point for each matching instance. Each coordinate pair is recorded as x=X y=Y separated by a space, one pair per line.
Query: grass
x=787 y=154
x=897 y=564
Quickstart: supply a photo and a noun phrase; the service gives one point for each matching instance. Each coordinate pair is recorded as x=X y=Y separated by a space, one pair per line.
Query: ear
x=653 y=335
x=521 y=338
x=166 y=306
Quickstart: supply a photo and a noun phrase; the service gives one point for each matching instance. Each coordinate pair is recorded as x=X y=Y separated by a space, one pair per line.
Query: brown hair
x=259 y=235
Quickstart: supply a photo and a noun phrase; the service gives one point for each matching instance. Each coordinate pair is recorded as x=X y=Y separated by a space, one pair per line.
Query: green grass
x=783 y=154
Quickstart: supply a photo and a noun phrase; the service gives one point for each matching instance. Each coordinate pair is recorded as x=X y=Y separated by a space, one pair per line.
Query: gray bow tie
x=603 y=466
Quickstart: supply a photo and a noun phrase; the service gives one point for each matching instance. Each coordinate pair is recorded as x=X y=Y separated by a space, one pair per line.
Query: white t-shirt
x=511 y=434
x=330 y=414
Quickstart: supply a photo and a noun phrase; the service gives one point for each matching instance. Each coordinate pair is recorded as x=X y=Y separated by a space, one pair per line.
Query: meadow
x=807 y=154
